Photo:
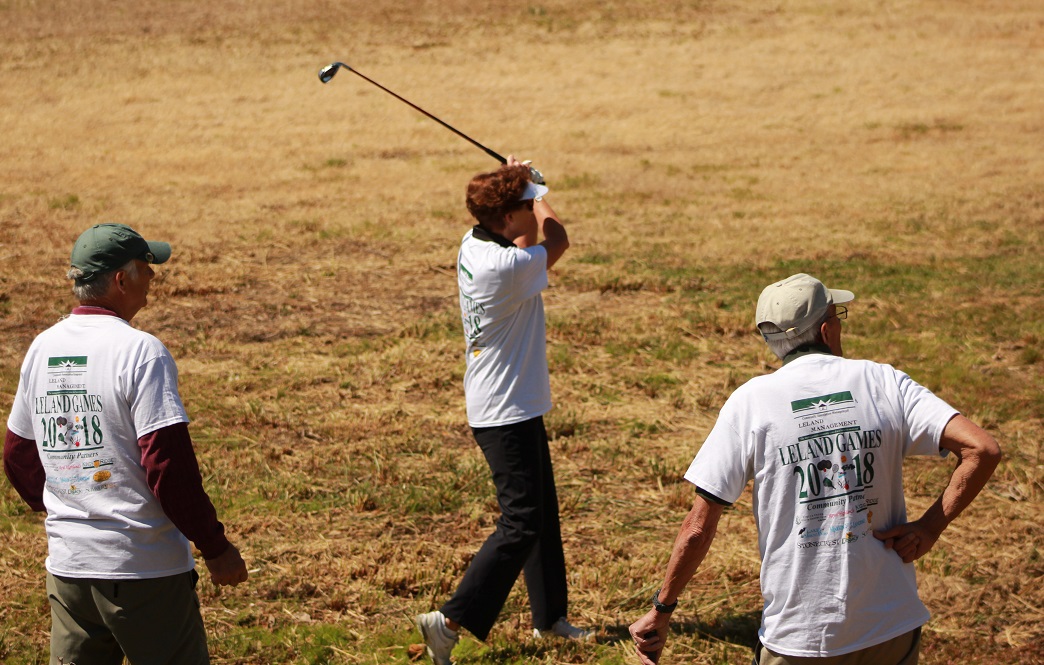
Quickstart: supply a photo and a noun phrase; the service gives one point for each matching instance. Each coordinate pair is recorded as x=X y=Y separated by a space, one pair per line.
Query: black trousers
x=527 y=539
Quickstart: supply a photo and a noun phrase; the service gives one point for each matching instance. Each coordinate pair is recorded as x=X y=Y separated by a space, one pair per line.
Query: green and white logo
x=67 y=375
x=67 y=365
x=822 y=402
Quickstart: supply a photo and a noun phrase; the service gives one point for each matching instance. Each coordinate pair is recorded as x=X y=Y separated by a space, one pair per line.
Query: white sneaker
x=439 y=639
x=563 y=628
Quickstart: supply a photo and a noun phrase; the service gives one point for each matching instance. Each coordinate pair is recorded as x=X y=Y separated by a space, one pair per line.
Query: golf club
x=327 y=73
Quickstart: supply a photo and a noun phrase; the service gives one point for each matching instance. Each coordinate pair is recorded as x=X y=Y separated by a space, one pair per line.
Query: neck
x=105 y=307
x=484 y=233
x=811 y=348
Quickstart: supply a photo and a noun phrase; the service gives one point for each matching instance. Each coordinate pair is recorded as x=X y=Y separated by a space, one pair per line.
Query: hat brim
x=533 y=191
x=160 y=251
x=840 y=296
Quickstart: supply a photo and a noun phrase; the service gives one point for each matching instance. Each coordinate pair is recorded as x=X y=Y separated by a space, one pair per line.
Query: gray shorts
x=902 y=650
x=150 y=622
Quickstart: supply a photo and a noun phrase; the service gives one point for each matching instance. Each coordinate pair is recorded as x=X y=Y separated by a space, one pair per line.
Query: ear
x=832 y=337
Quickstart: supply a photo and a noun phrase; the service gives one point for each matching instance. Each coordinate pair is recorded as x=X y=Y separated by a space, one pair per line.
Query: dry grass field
x=696 y=149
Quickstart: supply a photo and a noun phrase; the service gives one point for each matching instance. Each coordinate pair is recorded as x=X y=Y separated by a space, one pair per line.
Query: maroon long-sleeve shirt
x=171 y=471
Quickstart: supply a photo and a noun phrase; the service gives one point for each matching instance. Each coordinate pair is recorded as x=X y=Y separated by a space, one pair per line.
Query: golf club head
x=327 y=72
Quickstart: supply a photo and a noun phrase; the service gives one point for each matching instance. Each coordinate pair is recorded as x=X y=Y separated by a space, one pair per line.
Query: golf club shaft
x=462 y=135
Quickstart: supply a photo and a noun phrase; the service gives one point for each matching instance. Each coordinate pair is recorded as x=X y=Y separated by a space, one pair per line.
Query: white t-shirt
x=506 y=380
x=824 y=439
x=90 y=386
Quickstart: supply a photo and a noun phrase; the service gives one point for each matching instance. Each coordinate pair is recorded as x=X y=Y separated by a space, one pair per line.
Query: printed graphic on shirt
x=818 y=404
x=471 y=313
x=63 y=368
x=467 y=273
x=73 y=440
x=832 y=463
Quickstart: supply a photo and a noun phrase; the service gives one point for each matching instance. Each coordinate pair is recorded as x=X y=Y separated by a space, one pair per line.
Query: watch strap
x=661 y=607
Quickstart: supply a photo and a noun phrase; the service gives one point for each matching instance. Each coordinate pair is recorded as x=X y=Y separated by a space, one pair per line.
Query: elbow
x=697 y=533
x=563 y=237
x=970 y=442
x=986 y=456
x=697 y=538
x=988 y=450
x=992 y=454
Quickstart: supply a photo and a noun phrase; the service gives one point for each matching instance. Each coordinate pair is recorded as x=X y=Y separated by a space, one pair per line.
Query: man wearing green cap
x=824 y=438
x=98 y=438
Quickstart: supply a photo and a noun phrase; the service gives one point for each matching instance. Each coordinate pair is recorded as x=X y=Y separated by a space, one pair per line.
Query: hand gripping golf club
x=327 y=73
x=652 y=655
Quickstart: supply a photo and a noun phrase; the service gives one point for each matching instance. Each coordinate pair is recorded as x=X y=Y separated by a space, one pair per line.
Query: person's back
x=94 y=382
x=825 y=443
x=823 y=438
x=506 y=379
x=98 y=438
x=501 y=272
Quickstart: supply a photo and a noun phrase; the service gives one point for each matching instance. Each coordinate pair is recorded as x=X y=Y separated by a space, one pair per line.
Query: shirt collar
x=482 y=233
x=812 y=348
x=94 y=309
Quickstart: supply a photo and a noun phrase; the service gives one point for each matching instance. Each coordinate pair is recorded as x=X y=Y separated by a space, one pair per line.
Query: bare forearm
x=977 y=456
x=690 y=548
x=555 y=239
x=973 y=471
x=551 y=227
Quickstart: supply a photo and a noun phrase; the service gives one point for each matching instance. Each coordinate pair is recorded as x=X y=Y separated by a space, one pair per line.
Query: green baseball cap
x=107 y=247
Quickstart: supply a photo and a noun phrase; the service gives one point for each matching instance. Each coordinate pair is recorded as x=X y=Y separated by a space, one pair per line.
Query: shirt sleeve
x=155 y=402
x=19 y=421
x=925 y=417
x=712 y=497
x=528 y=272
x=23 y=468
x=172 y=473
x=723 y=465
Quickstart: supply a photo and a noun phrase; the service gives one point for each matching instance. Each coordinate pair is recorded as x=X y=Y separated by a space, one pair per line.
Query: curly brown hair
x=493 y=195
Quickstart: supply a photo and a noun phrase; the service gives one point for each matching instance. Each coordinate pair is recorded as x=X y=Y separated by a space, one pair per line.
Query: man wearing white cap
x=823 y=438
x=98 y=438
x=501 y=271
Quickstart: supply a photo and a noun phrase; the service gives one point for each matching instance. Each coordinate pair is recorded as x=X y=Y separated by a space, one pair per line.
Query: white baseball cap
x=795 y=304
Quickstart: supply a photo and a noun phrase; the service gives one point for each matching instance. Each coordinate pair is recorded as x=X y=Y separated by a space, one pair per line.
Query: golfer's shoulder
x=500 y=258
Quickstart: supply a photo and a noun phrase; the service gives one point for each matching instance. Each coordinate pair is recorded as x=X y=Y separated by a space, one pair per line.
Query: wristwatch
x=660 y=607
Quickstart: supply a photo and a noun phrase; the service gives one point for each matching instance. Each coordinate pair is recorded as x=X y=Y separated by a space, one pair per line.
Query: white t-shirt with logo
x=90 y=386
x=824 y=439
x=506 y=380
